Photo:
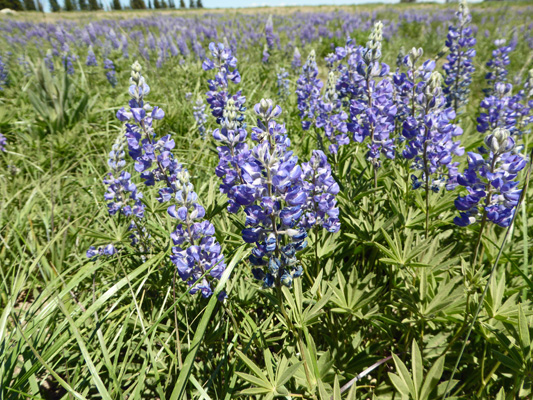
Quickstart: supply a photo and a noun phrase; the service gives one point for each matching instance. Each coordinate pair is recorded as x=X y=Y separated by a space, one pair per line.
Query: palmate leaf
x=415 y=386
x=272 y=383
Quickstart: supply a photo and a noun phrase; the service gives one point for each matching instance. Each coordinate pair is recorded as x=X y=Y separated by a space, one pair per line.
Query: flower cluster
x=200 y=116
x=196 y=253
x=3 y=142
x=282 y=83
x=110 y=72
x=195 y=250
x=274 y=202
x=49 y=61
x=296 y=62
x=491 y=176
x=153 y=158
x=429 y=133
x=68 y=59
x=269 y=33
x=280 y=198
x=107 y=250
x=371 y=99
x=308 y=91
x=91 y=58
x=404 y=83
x=497 y=65
x=225 y=65
x=501 y=110
x=321 y=187
x=331 y=117
x=122 y=193
x=459 y=67
x=3 y=73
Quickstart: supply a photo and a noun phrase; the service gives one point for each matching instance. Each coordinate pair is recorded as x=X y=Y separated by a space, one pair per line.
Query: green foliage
x=381 y=311
x=57 y=102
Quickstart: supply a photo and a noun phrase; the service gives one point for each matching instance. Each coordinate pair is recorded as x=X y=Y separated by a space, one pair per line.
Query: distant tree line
x=95 y=5
x=22 y=5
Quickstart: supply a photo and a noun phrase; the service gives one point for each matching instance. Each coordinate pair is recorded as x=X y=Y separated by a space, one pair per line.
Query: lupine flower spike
x=490 y=180
x=196 y=252
x=459 y=67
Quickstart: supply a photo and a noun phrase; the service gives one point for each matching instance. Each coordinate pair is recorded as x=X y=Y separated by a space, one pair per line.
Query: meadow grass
x=124 y=328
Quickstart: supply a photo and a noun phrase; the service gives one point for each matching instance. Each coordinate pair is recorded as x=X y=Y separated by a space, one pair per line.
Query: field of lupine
x=317 y=203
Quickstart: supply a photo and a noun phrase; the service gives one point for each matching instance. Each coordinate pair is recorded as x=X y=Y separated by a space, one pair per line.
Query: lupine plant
x=3 y=74
x=231 y=253
x=459 y=66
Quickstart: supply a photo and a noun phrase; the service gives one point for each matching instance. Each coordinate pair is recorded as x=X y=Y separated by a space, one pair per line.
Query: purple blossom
x=225 y=65
x=3 y=142
x=196 y=253
x=429 y=133
x=269 y=33
x=331 y=117
x=200 y=116
x=490 y=181
x=459 y=67
x=497 y=65
x=110 y=74
x=91 y=58
x=296 y=59
x=282 y=82
x=107 y=250
x=3 y=73
x=501 y=109
x=308 y=91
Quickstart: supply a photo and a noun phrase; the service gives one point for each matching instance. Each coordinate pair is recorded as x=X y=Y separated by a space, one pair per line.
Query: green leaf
x=404 y=375
x=523 y=331
x=399 y=384
x=418 y=368
x=432 y=379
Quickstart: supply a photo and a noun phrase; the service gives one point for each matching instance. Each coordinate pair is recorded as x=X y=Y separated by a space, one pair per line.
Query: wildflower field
x=312 y=203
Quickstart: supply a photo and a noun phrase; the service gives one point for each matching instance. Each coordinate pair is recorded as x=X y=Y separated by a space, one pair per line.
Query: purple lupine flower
x=321 y=187
x=372 y=106
x=404 y=85
x=282 y=82
x=276 y=202
x=308 y=91
x=225 y=65
x=497 y=65
x=122 y=194
x=269 y=33
x=108 y=250
x=490 y=180
x=3 y=142
x=296 y=59
x=280 y=198
x=266 y=55
x=67 y=59
x=233 y=152
x=501 y=109
x=459 y=67
x=200 y=116
x=110 y=74
x=331 y=117
x=91 y=58
x=429 y=134
x=525 y=110
x=3 y=73
x=49 y=61
x=196 y=252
